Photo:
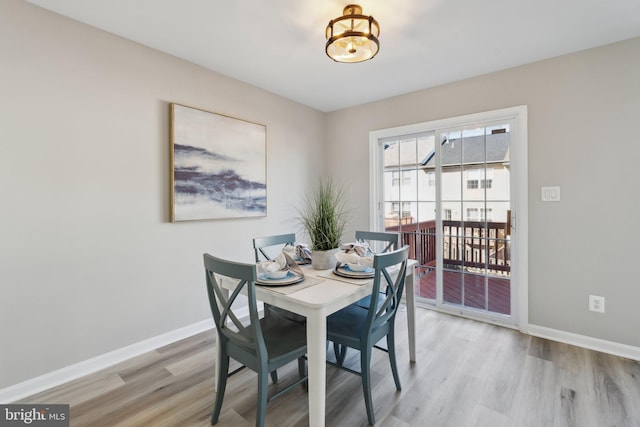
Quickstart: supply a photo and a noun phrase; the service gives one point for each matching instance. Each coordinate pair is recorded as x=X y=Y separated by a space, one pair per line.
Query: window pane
x=391 y=186
x=499 y=175
x=474 y=181
x=499 y=295
x=426 y=243
x=451 y=286
x=497 y=211
x=425 y=148
x=473 y=147
x=426 y=185
x=396 y=214
x=474 y=291
x=409 y=185
x=451 y=181
x=426 y=212
x=474 y=211
x=427 y=288
x=391 y=153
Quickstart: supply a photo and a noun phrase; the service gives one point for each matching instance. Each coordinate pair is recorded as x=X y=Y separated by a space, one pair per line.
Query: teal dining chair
x=375 y=240
x=361 y=328
x=265 y=249
x=262 y=345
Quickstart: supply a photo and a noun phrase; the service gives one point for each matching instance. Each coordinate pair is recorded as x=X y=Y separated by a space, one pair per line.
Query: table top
x=328 y=294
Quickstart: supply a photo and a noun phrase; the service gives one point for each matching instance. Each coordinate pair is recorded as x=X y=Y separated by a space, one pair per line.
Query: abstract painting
x=218 y=166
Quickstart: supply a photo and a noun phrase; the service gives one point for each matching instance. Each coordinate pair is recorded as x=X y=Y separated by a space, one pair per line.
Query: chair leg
x=365 y=363
x=302 y=371
x=340 y=352
x=262 y=398
x=274 y=377
x=343 y=354
x=391 y=349
x=223 y=373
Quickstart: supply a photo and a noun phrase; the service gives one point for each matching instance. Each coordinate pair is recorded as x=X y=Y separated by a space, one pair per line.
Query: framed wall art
x=218 y=166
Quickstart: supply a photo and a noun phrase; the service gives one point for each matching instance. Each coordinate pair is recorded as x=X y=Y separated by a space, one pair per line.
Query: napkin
x=360 y=247
x=355 y=253
x=299 y=251
x=281 y=262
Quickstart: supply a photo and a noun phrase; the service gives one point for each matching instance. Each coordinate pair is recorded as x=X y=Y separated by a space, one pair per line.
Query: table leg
x=411 y=314
x=316 y=359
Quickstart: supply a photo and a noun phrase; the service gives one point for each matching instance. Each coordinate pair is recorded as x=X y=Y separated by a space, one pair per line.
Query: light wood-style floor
x=468 y=374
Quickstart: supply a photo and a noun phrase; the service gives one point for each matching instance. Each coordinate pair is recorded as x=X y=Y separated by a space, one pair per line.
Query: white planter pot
x=324 y=260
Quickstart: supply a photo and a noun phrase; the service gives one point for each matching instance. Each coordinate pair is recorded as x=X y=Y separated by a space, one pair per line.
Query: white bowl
x=280 y=274
x=356 y=267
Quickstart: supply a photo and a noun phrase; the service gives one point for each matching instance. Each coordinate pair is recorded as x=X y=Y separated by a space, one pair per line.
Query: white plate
x=345 y=271
x=289 y=279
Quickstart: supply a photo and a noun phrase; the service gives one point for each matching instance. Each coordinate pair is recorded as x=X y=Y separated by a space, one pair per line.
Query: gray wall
x=88 y=260
x=584 y=111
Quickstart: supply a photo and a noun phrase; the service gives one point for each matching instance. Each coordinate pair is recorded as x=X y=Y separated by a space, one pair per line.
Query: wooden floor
x=468 y=374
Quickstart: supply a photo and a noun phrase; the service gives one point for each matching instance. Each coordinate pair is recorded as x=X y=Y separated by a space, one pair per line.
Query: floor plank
x=468 y=374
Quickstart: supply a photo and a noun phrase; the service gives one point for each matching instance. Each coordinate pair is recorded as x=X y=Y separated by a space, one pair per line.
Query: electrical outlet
x=596 y=303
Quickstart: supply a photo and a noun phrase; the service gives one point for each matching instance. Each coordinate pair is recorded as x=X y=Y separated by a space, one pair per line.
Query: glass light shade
x=352 y=37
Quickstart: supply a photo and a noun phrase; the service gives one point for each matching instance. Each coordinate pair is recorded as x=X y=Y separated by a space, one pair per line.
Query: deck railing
x=474 y=244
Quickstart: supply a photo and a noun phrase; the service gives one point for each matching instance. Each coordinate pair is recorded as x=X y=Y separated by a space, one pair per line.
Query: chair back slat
x=226 y=303
x=261 y=243
x=228 y=324
x=390 y=273
x=376 y=238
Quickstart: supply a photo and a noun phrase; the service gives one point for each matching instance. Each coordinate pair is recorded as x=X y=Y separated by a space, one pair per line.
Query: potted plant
x=324 y=218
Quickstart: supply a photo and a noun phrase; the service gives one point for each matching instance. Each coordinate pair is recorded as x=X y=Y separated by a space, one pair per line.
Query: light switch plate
x=550 y=194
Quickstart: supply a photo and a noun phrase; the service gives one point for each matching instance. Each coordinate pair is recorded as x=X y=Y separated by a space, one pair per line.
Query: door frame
x=519 y=194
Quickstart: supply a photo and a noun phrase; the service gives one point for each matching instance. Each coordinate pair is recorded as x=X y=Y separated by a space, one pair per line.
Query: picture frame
x=218 y=166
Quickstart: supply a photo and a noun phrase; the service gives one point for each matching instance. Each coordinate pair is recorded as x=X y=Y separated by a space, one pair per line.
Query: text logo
x=38 y=415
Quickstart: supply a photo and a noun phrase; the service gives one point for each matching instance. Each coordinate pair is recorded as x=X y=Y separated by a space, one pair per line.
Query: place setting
x=354 y=263
x=300 y=253
x=283 y=273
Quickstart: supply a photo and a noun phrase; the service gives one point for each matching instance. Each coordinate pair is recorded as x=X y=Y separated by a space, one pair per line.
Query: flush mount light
x=352 y=37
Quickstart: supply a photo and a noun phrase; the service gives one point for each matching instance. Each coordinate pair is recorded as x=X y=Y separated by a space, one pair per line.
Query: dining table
x=319 y=295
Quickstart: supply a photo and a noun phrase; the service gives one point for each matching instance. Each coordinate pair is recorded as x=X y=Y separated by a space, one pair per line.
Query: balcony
x=476 y=260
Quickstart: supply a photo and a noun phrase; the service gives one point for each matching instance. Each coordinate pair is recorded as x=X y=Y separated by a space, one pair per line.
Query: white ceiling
x=278 y=45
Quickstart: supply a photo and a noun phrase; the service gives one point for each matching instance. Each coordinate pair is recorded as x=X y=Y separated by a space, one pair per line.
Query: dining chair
x=375 y=240
x=267 y=248
x=361 y=328
x=262 y=345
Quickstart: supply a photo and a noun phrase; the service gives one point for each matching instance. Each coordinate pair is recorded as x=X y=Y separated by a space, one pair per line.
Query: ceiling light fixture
x=353 y=37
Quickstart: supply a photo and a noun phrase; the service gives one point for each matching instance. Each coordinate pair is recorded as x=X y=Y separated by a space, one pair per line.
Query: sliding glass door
x=448 y=192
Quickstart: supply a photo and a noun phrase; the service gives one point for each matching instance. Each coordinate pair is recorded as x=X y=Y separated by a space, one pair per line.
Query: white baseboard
x=77 y=370
x=610 y=347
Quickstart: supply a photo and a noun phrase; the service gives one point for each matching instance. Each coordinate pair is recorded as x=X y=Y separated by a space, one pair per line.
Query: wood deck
x=497 y=299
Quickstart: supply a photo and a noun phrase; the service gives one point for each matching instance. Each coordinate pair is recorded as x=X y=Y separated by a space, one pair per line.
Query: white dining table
x=318 y=301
